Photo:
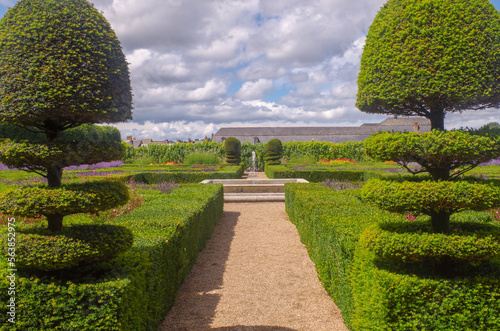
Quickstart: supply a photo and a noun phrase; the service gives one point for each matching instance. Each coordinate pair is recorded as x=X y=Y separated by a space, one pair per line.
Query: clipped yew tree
x=273 y=151
x=445 y=156
x=430 y=57
x=61 y=66
x=232 y=148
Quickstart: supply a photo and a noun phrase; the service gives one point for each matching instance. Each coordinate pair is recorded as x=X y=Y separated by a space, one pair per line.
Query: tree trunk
x=440 y=222
x=55 y=222
x=439 y=174
x=54 y=176
x=437 y=119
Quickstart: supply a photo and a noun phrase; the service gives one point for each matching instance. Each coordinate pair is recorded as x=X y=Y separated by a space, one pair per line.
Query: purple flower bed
x=99 y=165
x=339 y=185
x=491 y=163
x=97 y=173
x=3 y=167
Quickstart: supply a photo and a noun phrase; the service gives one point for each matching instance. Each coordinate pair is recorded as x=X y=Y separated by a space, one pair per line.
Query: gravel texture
x=254 y=274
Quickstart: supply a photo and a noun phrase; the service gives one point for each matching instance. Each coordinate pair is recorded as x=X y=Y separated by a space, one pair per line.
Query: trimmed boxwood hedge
x=182 y=177
x=319 y=175
x=137 y=288
x=376 y=294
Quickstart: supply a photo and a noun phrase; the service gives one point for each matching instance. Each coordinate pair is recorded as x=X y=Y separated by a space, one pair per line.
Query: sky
x=199 y=65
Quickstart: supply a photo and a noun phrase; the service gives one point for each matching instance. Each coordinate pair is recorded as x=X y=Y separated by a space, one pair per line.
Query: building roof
x=393 y=121
x=294 y=131
x=365 y=129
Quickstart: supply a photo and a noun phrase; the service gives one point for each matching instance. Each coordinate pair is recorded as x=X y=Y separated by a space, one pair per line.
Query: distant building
x=144 y=142
x=331 y=134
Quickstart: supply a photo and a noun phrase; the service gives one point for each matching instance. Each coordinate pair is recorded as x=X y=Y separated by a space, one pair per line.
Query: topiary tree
x=232 y=148
x=61 y=66
x=430 y=57
x=446 y=156
x=273 y=151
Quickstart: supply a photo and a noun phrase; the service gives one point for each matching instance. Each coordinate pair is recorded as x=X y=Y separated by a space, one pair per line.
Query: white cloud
x=197 y=65
x=255 y=90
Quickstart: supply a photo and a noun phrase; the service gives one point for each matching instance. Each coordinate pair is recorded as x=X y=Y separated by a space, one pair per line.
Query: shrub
x=444 y=155
x=436 y=199
x=89 y=83
x=136 y=289
x=273 y=152
x=205 y=158
x=423 y=246
x=232 y=148
x=88 y=197
x=384 y=294
x=77 y=245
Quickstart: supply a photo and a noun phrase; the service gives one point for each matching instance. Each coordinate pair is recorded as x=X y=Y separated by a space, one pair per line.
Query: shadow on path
x=199 y=295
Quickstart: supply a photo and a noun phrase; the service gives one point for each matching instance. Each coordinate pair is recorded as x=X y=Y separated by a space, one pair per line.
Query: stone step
x=253 y=190
x=253 y=197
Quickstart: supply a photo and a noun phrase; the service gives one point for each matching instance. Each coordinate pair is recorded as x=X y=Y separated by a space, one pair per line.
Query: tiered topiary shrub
x=445 y=156
x=273 y=151
x=61 y=67
x=232 y=148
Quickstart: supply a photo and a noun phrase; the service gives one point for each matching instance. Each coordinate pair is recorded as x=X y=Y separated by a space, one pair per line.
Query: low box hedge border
x=182 y=177
x=319 y=175
x=139 y=287
x=380 y=296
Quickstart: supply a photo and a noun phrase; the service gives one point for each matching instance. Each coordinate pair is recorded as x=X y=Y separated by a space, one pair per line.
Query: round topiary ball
x=76 y=245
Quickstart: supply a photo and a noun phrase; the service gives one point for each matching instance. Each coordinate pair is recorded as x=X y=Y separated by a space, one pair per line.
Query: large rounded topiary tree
x=429 y=57
x=61 y=66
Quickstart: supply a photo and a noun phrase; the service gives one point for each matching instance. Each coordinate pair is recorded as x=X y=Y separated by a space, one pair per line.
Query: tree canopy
x=61 y=65
x=430 y=57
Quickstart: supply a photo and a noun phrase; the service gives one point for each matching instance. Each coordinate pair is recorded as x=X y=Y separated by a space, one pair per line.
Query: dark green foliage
x=77 y=245
x=376 y=294
x=319 y=175
x=429 y=57
x=198 y=158
x=352 y=150
x=488 y=130
x=232 y=148
x=445 y=155
x=61 y=305
x=273 y=152
x=388 y=298
x=37 y=157
x=61 y=66
x=182 y=177
x=330 y=223
x=429 y=196
x=413 y=242
x=69 y=199
x=86 y=132
x=141 y=284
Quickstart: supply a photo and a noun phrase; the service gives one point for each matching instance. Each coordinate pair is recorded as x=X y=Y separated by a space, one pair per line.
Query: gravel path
x=254 y=274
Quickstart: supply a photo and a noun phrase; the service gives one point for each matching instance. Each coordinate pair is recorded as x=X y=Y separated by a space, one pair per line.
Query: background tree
x=429 y=57
x=61 y=66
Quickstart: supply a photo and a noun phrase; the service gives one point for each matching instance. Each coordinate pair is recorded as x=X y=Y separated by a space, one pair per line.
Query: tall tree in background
x=430 y=57
x=61 y=66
